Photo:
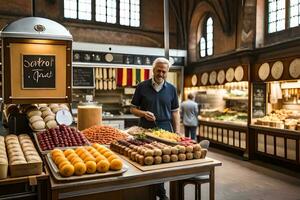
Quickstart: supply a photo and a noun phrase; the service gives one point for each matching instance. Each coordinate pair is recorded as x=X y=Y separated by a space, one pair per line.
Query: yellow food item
x=79 y=168
x=67 y=170
x=99 y=158
x=116 y=164
x=89 y=158
x=96 y=154
x=110 y=158
x=60 y=159
x=103 y=151
x=90 y=167
x=71 y=156
x=76 y=160
x=102 y=166
x=108 y=153
x=68 y=152
x=63 y=163
x=56 y=152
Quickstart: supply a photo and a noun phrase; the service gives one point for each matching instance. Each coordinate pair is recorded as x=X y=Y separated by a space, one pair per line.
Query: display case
x=275 y=112
x=222 y=97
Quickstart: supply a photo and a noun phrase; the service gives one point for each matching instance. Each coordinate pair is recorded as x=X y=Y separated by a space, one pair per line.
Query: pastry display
x=149 y=152
x=85 y=160
x=61 y=136
x=3 y=159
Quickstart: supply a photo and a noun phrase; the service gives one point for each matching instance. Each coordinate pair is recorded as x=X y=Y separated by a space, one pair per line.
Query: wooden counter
x=133 y=184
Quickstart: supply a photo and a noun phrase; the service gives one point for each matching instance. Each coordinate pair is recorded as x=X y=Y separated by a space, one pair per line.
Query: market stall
x=222 y=96
x=275 y=109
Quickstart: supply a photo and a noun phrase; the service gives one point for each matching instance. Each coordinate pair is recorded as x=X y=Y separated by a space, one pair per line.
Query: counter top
x=119 y=117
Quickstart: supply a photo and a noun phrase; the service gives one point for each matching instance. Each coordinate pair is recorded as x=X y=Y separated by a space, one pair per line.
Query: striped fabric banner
x=124 y=77
x=142 y=75
x=119 y=76
x=129 y=77
x=133 y=77
x=138 y=76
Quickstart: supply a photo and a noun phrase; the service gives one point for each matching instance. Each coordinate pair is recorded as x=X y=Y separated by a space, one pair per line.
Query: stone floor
x=243 y=180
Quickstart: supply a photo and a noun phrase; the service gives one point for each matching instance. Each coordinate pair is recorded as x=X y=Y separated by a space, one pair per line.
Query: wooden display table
x=29 y=187
x=134 y=183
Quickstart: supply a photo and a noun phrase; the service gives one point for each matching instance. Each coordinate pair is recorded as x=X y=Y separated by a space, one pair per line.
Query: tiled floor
x=243 y=180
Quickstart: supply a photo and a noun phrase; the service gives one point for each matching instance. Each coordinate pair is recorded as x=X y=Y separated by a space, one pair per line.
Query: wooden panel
x=243 y=140
x=16 y=78
x=280 y=147
x=167 y=165
x=210 y=134
x=230 y=137
x=270 y=144
x=205 y=131
x=219 y=134
x=260 y=142
x=225 y=136
x=215 y=133
x=236 y=139
x=291 y=149
x=201 y=131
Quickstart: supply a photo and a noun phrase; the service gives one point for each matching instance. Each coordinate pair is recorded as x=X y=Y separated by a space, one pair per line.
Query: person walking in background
x=155 y=101
x=189 y=111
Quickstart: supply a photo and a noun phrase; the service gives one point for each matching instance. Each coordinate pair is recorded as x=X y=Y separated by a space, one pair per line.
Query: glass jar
x=89 y=114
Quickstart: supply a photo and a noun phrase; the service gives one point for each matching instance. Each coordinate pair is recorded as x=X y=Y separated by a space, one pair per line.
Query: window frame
x=203 y=34
x=288 y=32
x=93 y=19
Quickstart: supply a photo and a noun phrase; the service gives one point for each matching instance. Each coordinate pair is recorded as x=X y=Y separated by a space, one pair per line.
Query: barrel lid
x=37 y=28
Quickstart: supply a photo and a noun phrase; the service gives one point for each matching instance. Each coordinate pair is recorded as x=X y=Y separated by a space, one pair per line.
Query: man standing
x=189 y=110
x=155 y=101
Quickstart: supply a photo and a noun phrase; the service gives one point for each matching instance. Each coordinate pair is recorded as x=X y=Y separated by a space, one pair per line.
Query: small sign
x=259 y=100
x=83 y=77
x=64 y=117
x=38 y=71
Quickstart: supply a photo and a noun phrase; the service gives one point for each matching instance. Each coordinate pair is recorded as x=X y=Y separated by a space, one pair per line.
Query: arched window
x=207 y=38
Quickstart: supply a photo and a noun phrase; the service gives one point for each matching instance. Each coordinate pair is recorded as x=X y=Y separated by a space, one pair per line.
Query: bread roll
x=46 y=113
x=38 y=125
x=18 y=162
x=33 y=113
x=35 y=118
x=51 y=124
x=55 y=110
x=48 y=118
x=64 y=106
x=54 y=105
x=3 y=161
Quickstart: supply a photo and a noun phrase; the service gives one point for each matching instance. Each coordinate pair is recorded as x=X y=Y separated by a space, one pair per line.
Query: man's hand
x=149 y=116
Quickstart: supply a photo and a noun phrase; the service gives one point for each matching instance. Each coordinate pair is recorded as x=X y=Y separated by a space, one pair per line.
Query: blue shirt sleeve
x=137 y=97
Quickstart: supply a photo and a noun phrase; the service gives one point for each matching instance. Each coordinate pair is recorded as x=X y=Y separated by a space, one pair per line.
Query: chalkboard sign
x=259 y=100
x=83 y=77
x=38 y=71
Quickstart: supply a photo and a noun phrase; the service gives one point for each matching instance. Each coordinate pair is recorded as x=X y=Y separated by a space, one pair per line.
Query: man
x=189 y=110
x=155 y=101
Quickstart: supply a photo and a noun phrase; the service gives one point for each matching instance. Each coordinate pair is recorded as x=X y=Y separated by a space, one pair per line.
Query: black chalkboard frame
x=83 y=87
x=38 y=88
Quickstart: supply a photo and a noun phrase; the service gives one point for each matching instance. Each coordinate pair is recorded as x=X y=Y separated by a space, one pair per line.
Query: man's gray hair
x=161 y=60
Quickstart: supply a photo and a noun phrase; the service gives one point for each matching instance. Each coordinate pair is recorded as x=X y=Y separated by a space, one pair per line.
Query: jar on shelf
x=89 y=114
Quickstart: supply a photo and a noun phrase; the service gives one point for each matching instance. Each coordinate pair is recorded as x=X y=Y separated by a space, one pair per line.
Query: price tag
x=64 y=117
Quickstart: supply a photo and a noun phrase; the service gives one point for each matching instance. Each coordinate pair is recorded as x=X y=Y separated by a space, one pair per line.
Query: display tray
x=44 y=152
x=55 y=172
x=244 y=124
x=166 y=165
x=26 y=169
x=166 y=141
